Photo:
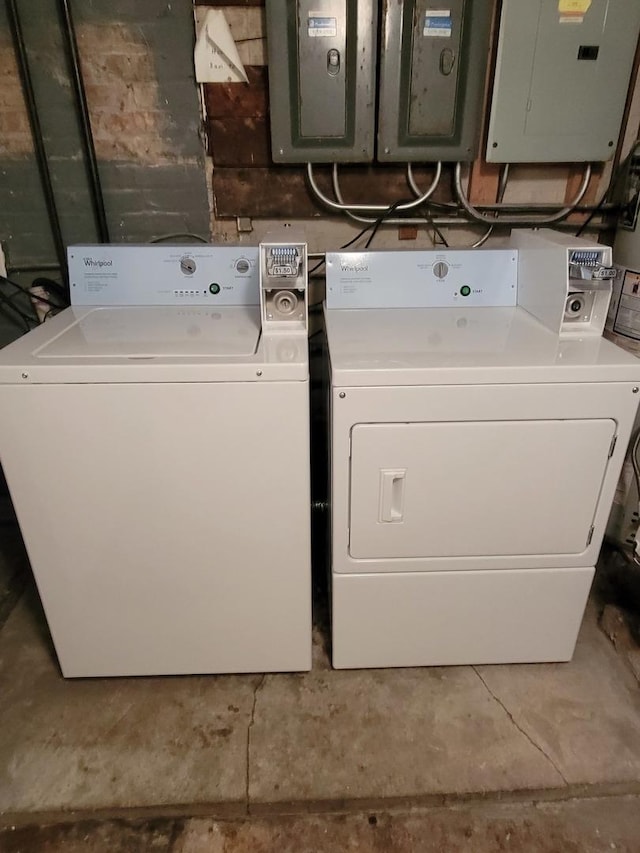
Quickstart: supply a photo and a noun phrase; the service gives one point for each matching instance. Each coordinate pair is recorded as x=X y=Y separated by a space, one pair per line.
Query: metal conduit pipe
x=36 y=133
x=516 y=206
x=437 y=220
x=404 y=220
x=478 y=216
x=381 y=208
x=91 y=161
x=391 y=221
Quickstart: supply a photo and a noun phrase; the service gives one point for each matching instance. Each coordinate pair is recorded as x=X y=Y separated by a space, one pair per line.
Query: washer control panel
x=160 y=274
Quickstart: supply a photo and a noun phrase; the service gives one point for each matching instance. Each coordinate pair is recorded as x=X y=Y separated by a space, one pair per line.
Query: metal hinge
x=590 y=536
x=613 y=446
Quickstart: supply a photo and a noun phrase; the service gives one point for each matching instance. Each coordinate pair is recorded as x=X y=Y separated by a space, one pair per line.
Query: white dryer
x=158 y=460
x=474 y=459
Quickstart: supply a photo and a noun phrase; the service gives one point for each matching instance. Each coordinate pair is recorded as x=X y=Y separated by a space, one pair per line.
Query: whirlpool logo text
x=92 y=262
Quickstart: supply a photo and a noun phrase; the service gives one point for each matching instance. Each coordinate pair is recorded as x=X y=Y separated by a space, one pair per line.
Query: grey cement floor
x=230 y=746
x=575 y=826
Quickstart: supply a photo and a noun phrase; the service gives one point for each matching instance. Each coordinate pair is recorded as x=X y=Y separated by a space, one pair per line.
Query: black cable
x=436 y=230
x=357 y=237
x=381 y=219
x=51 y=285
x=28 y=293
x=91 y=160
x=613 y=183
x=36 y=131
x=5 y=302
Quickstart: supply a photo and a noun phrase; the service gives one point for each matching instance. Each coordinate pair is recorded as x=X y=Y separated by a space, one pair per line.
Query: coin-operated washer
x=155 y=439
x=475 y=450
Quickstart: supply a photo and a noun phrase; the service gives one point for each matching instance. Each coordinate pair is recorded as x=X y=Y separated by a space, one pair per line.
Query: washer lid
x=155 y=332
x=155 y=344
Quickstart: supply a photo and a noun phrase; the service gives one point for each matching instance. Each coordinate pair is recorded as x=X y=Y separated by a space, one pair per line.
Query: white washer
x=158 y=460
x=474 y=459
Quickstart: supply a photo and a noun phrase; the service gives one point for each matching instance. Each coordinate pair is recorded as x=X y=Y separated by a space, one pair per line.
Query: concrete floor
x=575 y=826
x=506 y=753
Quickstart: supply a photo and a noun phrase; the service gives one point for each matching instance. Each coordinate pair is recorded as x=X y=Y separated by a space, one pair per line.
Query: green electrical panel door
x=322 y=80
x=433 y=67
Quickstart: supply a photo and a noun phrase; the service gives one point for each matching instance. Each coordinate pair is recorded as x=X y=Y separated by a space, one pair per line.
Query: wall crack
x=256 y=690
x=519 y=727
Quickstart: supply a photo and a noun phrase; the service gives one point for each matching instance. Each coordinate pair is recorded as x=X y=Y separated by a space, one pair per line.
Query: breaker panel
x=432 y=73
x=562 y=74
x=322 y=79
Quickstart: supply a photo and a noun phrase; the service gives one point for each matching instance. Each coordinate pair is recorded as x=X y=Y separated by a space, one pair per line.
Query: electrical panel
x=322 y=79
x=562 y=74
x=433 y=66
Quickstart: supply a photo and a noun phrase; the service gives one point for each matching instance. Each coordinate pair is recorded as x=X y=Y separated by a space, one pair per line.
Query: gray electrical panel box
x=433 y=67
x=562 y=75
x=322 y=79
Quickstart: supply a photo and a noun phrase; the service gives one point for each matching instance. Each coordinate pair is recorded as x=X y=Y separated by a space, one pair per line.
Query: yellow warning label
x=575 y=7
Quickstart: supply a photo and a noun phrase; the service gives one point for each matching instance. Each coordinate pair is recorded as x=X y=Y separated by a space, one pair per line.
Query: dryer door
x=475 y=488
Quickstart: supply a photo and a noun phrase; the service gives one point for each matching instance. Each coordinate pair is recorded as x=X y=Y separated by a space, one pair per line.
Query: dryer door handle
x=392 y=494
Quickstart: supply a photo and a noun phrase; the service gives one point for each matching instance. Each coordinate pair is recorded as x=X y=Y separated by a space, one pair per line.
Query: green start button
x=465 y=290
x=214 y=288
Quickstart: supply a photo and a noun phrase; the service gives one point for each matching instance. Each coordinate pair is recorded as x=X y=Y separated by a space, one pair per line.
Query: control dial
x=440 y=269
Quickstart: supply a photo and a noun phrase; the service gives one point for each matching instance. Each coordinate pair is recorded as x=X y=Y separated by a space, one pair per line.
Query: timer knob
x=440 y=269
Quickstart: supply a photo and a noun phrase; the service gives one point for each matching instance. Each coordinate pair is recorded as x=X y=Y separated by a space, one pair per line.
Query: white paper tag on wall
x=215 y=55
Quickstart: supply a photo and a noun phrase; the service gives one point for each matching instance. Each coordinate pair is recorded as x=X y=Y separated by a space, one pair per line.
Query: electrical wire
x=5 y=303
x=611 y=186
x=27 y=293
x=636 y=474
x=436 y=230
x=179 y=236
x=634 y=461
x=381 y=219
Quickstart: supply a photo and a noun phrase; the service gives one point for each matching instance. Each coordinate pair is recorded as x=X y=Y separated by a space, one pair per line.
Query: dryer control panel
x=422 y=279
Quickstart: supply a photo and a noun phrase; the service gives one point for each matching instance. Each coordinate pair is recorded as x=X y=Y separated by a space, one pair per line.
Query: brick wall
x=137 y=62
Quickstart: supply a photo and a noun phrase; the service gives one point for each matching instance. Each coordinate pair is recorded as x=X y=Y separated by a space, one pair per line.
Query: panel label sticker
x=321 y=26
x=573 y=11
x=627 y=318
x=438 y=23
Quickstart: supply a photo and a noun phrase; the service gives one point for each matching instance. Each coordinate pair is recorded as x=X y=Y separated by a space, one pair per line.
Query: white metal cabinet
x=444 y=618
x=472 y=476
x=167 y=531
x=163 y=534
x=164 y=538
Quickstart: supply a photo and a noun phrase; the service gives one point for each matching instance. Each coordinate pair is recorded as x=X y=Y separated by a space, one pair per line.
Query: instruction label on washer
x=422 y=279
x=321 y=26
x=625 y=305
x=438 y=23
x=161 y=274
